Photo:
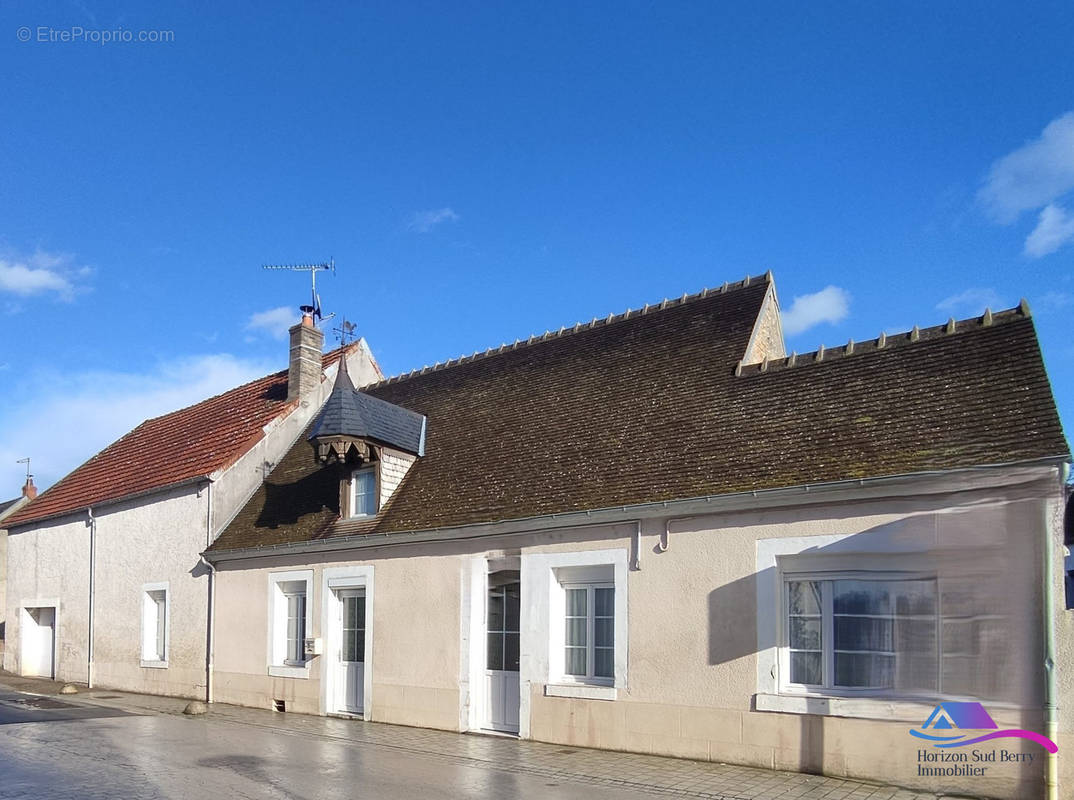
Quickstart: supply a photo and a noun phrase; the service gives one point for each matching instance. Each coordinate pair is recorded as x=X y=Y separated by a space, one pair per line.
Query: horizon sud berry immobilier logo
x=964 y=724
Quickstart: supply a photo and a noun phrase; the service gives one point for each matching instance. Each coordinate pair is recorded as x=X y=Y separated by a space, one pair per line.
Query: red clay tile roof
x=172 y=449
x=648 y=408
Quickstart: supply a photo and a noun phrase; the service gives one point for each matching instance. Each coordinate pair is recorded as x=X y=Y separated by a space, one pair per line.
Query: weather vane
x=314 y=308
x=344 y=330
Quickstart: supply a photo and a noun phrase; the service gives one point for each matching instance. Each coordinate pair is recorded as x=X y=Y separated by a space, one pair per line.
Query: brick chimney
x=29 y=491
x=304 y=370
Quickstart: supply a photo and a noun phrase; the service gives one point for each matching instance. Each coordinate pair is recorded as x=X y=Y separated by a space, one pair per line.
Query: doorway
x=38 y=636
x=350 y=668
x=502 y=614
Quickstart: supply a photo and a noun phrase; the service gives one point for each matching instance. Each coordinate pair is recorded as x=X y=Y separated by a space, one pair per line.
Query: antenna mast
x=314 y=308
x=25 y=461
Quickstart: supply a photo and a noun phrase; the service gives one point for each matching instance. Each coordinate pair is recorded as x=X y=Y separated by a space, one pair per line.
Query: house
x=657 y=532
x=29 y=492
x=106 y=585
x=660 y=533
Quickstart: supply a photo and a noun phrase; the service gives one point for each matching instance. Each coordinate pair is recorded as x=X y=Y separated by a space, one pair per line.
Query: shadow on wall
x=976 y=647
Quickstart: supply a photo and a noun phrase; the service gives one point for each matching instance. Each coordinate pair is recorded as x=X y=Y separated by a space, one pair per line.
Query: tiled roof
x=5 y=505
x=172 y=449
x=648 y=407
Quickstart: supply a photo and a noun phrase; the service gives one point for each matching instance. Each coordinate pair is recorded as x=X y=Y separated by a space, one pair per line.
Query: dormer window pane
x=365 y=499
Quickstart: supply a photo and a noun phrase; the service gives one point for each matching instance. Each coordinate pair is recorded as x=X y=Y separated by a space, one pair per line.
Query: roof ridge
x=885 y=341
x=578 y=327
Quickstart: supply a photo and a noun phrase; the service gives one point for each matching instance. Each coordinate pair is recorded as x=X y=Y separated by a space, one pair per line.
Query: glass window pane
x=575 y=661
x=576 y=630
x=604 y=633
x=495 y=651
x=576 y=602
x=512 y=592
x=364 y=492
x=359 y=612
x=603 y=662
x=350 y=645
x=863 y=633
x=806 y=668
x=495 y=615
x=864 y=670
x=604 y=602
x=804 y=597
x=861 y=597
x=915 y=598
x=805 y=633
x=510 y=655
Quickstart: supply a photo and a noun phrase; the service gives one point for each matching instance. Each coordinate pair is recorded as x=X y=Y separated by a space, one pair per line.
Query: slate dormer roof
x=652 y=406
x=351 y=413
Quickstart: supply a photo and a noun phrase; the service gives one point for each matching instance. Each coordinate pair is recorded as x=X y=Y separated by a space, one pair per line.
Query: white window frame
x=590 y=646
x=281 y=586
x=150 y=607
x=372 y=470
x=827 y=616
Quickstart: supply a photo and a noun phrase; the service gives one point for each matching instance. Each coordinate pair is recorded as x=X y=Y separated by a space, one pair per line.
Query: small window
x=296 y=627
x=589 y=637
x=155 y=625
x=364 y=492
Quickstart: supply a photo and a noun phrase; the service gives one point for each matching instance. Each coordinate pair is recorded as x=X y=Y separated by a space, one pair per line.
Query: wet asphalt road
x=65 y=751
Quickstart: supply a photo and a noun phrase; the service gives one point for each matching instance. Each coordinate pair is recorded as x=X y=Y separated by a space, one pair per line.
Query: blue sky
x=481 y=172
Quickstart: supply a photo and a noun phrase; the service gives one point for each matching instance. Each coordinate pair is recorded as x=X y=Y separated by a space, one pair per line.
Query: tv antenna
x=314 y=308
x=344 y=330
x=25 y=461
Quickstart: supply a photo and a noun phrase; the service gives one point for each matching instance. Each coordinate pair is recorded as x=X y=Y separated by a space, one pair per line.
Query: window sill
x=582 y=691
x=853 y=707
x=155 y=664
x=290 y=672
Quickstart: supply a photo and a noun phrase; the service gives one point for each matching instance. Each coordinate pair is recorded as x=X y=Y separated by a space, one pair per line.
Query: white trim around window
x=363 y=492
x=545 y=579
x=156 y=625
x=288 y=593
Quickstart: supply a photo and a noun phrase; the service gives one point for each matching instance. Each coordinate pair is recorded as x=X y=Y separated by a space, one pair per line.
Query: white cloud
x=425 y=221
x=274 y=321
x=1033 y=175
x=40 y=273
x=62 y=419
x=1055 y=227
x=1053 y=301
x=830 y=304
x=971 y=302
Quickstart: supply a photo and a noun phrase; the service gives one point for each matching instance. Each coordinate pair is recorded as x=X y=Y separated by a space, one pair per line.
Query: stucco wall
x=696 y=656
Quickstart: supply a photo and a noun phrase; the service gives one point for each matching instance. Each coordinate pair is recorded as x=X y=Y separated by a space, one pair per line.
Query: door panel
x=502 y=653
x=350 y=681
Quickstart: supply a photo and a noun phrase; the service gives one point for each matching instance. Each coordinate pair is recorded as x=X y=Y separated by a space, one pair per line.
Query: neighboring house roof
x=8 y=505
x=647 y=407
x=172 y=449
x=348 y=412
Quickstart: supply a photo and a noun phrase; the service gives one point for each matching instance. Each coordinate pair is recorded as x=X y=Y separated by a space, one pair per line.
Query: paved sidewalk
x=651 y=774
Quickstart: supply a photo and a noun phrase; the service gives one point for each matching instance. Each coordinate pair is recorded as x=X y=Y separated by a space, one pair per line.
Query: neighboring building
x=29 y=492
x=105 y=581
x=658 y=533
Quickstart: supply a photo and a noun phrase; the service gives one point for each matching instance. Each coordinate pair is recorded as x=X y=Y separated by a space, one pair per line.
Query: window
x=296 y=627
x=364 y=492
x=858 y=633
x=502 y=626
x=290 y=623
x=589 y=635
x=155 y=625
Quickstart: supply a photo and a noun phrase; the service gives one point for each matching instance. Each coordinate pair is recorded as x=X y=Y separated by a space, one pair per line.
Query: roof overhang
x=931 y=483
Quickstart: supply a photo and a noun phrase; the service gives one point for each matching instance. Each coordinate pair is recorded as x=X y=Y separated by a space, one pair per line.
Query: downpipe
x=92 y=521
x=210 y=645
x=1051 y=716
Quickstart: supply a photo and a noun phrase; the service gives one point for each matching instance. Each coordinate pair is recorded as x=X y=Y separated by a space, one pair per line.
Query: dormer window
x=364 y=492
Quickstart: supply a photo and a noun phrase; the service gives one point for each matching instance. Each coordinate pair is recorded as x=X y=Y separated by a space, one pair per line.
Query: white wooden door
x=501 y=675
x=350 y=679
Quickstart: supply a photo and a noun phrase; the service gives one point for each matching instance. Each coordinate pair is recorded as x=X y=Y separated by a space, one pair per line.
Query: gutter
x=92 y=570
x=696 y=506
x=1051 y=717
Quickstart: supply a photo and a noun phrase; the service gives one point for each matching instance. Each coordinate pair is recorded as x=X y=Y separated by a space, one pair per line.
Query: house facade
x=29 y=492
x=657 y=533
x=105 y=583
